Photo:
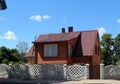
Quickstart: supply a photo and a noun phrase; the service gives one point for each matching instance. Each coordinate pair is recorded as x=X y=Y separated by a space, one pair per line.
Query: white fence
x=109 y=72
x=77 y=72
x=45 y=71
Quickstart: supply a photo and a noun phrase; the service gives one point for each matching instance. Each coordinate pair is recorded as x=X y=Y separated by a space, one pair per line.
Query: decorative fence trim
x=45 y=71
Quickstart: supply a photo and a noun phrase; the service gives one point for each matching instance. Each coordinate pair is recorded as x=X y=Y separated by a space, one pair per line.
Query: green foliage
x=118 y=62
x=10 y=56
x=107 y=52
x=5 y=61
x=117 y=45
x=110 y=49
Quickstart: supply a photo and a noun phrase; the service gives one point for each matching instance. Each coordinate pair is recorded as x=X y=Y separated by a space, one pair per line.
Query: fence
x=109 y=72
x=45 y=71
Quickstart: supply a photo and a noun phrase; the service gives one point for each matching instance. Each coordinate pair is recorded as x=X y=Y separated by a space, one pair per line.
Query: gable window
x=69 y=50
x=50 y=50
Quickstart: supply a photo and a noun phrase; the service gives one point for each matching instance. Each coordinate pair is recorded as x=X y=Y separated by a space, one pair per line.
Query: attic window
x=97 y=50
x=50 y=50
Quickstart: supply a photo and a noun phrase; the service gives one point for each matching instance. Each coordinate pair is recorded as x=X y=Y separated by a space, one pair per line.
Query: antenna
x=35 y=38
x=34 y=45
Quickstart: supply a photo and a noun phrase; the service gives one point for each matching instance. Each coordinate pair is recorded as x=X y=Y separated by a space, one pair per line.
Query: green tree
x=107 y=49
x=117 y=48
x=9 y=55
x=4 y=54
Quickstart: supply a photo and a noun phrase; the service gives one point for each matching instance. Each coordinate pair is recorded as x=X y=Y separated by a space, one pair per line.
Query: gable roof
x=85 y=44
x=31 y=52
x=57 y=37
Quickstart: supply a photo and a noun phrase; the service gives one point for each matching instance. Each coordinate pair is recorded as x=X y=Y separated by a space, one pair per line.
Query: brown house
x=68 y=48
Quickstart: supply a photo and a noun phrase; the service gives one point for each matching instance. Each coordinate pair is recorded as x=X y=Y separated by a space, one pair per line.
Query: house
x=31 y=55
x=69 y=48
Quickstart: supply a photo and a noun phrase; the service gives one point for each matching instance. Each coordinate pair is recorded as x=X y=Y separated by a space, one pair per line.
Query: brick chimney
x=70 y=29
x=63 y=30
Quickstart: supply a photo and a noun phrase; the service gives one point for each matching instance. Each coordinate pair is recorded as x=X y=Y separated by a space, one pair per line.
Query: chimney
x=63 y=30
x=70 y=29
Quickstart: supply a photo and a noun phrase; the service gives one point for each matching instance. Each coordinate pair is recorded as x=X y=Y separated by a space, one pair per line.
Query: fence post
x=87 y=71
x=65 y=71
x=102 y=71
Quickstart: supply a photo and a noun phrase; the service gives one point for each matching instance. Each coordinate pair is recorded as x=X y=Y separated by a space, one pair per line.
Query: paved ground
x=16 y=81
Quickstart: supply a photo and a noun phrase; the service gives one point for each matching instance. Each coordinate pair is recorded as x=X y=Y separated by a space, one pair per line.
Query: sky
x=23 y=20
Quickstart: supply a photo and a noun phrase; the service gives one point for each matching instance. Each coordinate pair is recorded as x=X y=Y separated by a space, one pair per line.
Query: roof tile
x=86 y=43
x=57 y=37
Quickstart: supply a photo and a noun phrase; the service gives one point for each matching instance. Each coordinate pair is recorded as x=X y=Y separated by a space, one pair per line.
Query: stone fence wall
x=109 y=72
x=45 y=71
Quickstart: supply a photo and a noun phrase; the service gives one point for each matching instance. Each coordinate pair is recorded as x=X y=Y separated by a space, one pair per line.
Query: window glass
x=69 y=50
x=50 y=50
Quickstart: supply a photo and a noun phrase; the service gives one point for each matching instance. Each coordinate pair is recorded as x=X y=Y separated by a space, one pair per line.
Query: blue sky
x=24 y=19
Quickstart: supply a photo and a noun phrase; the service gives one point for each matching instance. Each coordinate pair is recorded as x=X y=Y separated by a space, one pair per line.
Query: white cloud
x=36 y=18
x=46 y=17
x=39 y=18
x=118 y=20
x=101 y=31
x=9 y=36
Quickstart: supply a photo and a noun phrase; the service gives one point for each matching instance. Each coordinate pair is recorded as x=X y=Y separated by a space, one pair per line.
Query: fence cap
x=101 y=64
x=87 y=64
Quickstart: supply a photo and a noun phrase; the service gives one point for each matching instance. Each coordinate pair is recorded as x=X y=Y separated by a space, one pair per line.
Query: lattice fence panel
x=76 y=72
x=112 y=72
x=45 y=71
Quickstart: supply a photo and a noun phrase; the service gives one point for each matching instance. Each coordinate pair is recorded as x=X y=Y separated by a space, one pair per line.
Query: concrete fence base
x=45 y=71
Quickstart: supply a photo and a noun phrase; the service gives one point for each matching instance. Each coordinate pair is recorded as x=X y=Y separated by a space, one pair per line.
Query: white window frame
x=50 y=50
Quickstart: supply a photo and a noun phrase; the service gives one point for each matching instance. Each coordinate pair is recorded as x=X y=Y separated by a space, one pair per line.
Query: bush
x=118 y=62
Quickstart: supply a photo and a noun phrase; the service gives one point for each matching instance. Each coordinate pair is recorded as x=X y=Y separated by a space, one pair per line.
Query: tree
x=107 y=49
x=117 y=48
x=9 y=55
x=22 y=47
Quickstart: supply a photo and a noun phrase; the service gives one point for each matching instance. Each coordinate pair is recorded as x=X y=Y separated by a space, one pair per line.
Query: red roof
x=57 y=37
x=85 y=44
x=31 y=52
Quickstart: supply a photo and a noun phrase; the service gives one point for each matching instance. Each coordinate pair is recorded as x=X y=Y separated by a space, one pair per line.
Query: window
x=97 y=50
x=50 y=50
x=69 y=50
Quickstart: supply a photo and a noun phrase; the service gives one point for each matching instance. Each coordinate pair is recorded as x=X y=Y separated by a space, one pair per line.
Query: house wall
x=96 y=60
x=31 y=60
x=82 y=59
x=62 y=53
x=61 y=59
